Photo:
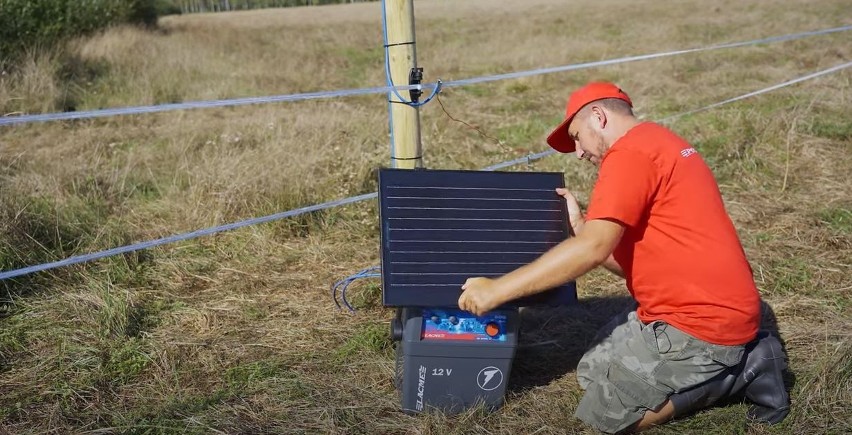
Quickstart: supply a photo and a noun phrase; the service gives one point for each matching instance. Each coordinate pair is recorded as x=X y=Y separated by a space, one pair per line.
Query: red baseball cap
x=559 y=139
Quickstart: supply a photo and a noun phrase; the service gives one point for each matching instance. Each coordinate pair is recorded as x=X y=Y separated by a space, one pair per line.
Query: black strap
x=399 y=43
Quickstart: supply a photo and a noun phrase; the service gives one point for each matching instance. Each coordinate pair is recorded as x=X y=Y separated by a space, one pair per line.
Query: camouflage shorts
x=635 y=367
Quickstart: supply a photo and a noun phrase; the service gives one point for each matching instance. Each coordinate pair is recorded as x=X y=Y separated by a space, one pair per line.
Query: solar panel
x=441 y=227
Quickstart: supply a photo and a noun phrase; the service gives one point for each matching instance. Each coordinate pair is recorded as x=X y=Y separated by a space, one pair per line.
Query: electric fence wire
x=181 y=237
x=529 y=159
x=136 y=110
x=538 y=156
x=308 y=209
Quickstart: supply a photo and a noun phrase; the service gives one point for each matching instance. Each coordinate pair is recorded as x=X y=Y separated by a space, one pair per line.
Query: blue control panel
x=458 y=325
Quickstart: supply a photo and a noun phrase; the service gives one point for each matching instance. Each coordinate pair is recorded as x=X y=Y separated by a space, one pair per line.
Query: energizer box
x=451 y=360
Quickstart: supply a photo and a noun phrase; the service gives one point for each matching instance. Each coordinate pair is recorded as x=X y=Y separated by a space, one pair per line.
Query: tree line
x=190 y=6
x=33 y=24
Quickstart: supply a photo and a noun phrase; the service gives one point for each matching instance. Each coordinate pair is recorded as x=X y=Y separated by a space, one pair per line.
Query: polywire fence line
x=181 y=237
x=350 y=200
x=538 y=156
x=137 y=110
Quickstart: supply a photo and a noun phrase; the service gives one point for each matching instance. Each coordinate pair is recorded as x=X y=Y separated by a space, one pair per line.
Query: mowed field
x=237 y=332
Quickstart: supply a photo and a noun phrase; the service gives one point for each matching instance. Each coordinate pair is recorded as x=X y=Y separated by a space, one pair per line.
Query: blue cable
x=344 y=283
x=389 y=78
x=389 y=82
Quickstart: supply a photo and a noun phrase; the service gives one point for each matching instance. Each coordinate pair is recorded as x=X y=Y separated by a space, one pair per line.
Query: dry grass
x=237 y=333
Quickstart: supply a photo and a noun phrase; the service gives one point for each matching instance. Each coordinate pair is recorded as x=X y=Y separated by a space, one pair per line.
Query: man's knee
x=618 y=401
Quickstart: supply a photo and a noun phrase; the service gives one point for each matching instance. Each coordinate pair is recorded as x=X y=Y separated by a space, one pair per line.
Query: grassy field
x=237 y=333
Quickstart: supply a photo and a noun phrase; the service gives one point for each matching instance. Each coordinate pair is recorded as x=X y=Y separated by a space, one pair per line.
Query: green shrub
x=25 y=24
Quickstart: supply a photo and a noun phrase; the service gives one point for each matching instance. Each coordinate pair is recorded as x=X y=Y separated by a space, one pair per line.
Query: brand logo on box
x=489 y=378
x=421 y=387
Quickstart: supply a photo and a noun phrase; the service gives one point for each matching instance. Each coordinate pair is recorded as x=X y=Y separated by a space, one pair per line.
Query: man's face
x=589 y=142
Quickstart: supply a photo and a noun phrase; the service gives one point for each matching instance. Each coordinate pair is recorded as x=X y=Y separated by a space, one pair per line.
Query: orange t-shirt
x=681 y=256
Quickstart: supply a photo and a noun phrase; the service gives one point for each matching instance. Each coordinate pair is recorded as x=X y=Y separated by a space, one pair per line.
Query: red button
x=492 y=329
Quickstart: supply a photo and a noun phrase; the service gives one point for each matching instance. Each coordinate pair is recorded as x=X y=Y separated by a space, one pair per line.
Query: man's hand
x=575 y=215
x=479 y=296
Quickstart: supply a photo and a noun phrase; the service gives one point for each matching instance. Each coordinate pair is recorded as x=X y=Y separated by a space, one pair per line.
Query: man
x=656 y=218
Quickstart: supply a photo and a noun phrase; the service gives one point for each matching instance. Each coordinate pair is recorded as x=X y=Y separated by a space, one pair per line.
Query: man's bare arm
x=577 y=220
x=564 y=262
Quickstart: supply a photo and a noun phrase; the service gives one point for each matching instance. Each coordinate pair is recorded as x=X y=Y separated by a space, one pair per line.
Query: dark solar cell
x=441 y=227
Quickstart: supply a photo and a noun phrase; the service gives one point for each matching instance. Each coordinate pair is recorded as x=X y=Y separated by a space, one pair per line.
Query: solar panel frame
x=440 y=227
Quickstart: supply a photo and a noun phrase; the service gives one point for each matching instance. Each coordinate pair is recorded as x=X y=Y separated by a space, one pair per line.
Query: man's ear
x=598 y=118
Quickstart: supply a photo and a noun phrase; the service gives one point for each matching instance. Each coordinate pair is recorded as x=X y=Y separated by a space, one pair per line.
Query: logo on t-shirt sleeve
x=688 y=152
